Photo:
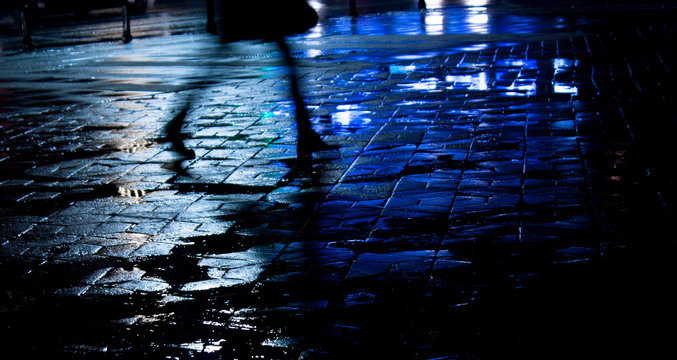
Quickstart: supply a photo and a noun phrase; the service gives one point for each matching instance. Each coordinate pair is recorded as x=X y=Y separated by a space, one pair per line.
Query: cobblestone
x=506 y=199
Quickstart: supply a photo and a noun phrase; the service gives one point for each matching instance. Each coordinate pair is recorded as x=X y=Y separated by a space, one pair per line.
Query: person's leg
x=211 y=22
x=174 y=136
x=308 y=140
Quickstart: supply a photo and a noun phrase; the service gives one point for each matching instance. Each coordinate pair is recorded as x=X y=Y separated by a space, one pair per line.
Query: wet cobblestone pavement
x=494 y=194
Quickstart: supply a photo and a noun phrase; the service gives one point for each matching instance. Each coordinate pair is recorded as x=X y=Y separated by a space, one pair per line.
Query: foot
x=211 y=28
x=310 y=142
x=186 y=154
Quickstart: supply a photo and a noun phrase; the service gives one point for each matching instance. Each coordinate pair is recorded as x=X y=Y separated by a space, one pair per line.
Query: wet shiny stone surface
x=501 y=189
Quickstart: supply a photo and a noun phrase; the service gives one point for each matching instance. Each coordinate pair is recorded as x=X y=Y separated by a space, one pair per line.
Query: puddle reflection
x=131 y=193
x=563 y=65
x=511 y=77
x=349 y=118
x=473 y=17
x=559 y=88
x=477 y=81
x=434 y=23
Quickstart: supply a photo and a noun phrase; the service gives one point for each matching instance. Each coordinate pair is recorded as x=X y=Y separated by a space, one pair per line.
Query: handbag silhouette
x=269 y=20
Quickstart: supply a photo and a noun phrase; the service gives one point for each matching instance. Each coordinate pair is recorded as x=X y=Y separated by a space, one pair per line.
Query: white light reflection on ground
x=435 y=4
x=317 y=5
x=559 y=88
x=477 y=82
x=350 y=116
x=505 y=77
x=478 y=21
x=203 y=347
x=475 y=2
x=562 y=66
x=521 y=89
x=233 y=269
x=474 y=47
x=313 y=53
x=427 y=85
x=434 y=23
x=401 y=69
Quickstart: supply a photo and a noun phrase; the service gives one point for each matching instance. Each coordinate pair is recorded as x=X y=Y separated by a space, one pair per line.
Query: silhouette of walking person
x=270 y=21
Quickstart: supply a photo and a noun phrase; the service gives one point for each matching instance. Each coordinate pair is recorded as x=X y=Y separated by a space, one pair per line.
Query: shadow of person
x=270 y=21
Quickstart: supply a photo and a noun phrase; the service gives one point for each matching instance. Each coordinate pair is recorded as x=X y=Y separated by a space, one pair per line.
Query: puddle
x=509 y=77
x=350 y=118
x=132 y=193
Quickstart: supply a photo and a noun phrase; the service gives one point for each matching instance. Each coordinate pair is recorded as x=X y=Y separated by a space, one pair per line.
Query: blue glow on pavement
x=559 y=88
x=477 y=82
x=561 y=65
x=401 y=69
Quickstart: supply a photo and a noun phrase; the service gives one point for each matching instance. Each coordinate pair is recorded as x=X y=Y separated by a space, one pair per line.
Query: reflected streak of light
x=477 y=23
x=401 y=69
x=475 y=2
x=315 y=32
x=478 y=82
x=131 y=193
x=350 y=118
x=434 y=23
x=429 y=84
x=518 y=63
x=317 y=5
x=212 y=348
x=479 y=18
x=313 y=53
x=565 y=89
x=562 y=65
x=475 y=47
x=526 y=89
x=348 y=107
x=434 y=4
x=203 y=347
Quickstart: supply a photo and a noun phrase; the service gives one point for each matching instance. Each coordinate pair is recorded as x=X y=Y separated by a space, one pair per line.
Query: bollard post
x=211 y=23
x=421 y=5
x=353 y=7
x=126 y=28
x=26 y=25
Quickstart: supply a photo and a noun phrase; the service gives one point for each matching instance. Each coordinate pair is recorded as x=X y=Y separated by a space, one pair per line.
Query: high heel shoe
x=309 y=142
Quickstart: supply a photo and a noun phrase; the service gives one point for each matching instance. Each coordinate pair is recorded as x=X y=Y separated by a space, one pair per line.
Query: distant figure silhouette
x=271 y=21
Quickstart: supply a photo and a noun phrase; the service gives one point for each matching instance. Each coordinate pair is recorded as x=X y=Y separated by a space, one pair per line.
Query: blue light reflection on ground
x=509 y=77
x=401 y=69
x=477 y=27
x=454 y=20
x=478 y=82
x=349 y=118
x=558 y=88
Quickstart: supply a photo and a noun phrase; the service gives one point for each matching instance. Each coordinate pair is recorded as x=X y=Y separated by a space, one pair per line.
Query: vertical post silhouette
x=211 y=21
x=27 y=24
x=126 y=27
x=353 y=8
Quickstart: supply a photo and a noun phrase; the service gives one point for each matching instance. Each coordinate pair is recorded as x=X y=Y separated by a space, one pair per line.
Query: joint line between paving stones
x=523 y=178
x=392 y=192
